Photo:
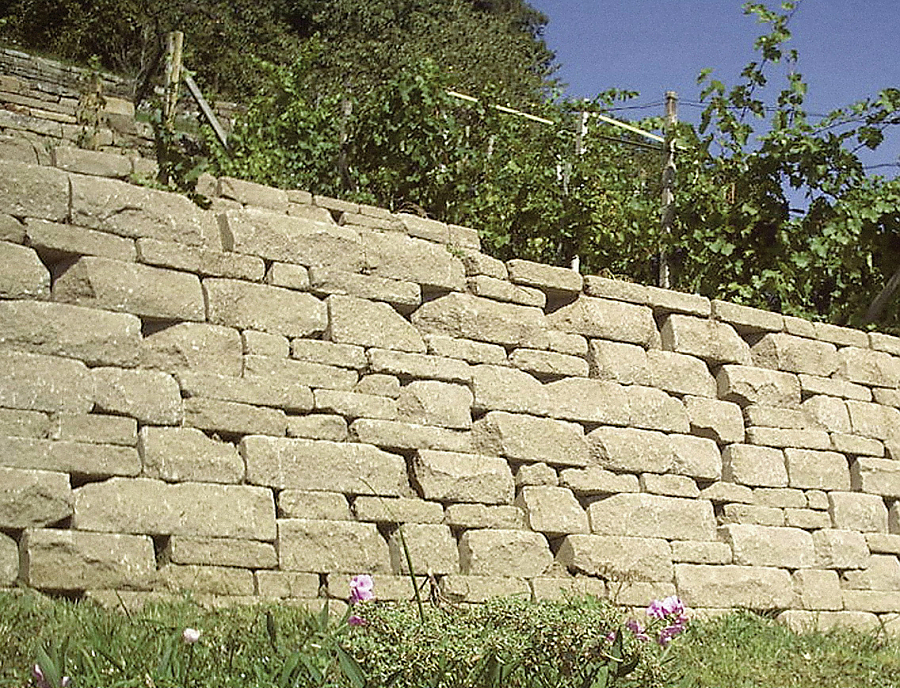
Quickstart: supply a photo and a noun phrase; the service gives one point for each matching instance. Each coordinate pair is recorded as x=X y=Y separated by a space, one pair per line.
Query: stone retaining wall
x=245 y=401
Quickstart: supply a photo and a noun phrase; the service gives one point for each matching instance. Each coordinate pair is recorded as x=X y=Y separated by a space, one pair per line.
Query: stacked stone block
x=261 y=399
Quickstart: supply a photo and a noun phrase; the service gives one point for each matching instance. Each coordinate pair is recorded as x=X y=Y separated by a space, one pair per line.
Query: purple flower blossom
x=610 y=637
x=662 y=609
x=637 y=629
x=361 y=589
x=355 y=620
x=40 y=681
x=669 y=632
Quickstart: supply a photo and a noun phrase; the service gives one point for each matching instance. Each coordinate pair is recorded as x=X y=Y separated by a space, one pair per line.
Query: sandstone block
x=470 y=516
x=30 y=499
x=264 y=344
x=387 y=587
x=860 y=512
x=545 y=277
x=798 y=439
x=33 y=191
x=717 y=420
x=745 y=319
x=287 y=275
x=769 y=546
x=623 y=558
x=882 y=572
x=868 y=367
x=260 y=307
x=150 y=396
x=94 y=163
x=144 y=506
x=692 y=552
x=93 y=336
x=818 y=590
x=829 y=413
x=626 y=364
x=187 y=455
x=527 y=438
x=409 y=365
x=320 y=465
x=672 y=485
x=72 y=560
x=653 y=516
x=669 y=301
x=553 y=511
x=779 y=417
x=354 y=404
x=193 y=347
x=558 y=588
x=287 y=584
x=33 y=424
x=515 y=553
x=476 y=589
x=395 y=256
x=331 y=547
x=783 y=351
x=822 y=470
x=745 y=385
x=132 y=211
x=289 y=239
x=604 y=319
x=223 y=583
x=9 y=561
x=395 y=435
x=715 y=342
x=878 y=601
x=855 y=445
x=451 y=477
x=876 y=476
x=498 y=388
x=318 y=506
x=301 y=372
x=722 y=587
x=404 y=296
x=633 y=450
x=882 y=543
x=536 y=474
x=370 y=324
x=590 y=401
x=747 y=514
x=502 y=290
x=874 y=420
x=471 y=317
x=721 y=492
x=204 y=261
x=476 y=263
x=54 y=241
x=466 y=349
x=618 y=290
x=885 y=342
x=233 y=418
x=399 y=510
x=249 y=193
x=548 y=364
x=655 y=410
x=432 y=549
x=817 y=499
x=779 y=497
x=594 y=480
x=811 y=384
x=329 y=353
x=80 y=458
x=428 y=402
x=209 y=551
x=680 y=374
x=22 y=275
x=808 y=519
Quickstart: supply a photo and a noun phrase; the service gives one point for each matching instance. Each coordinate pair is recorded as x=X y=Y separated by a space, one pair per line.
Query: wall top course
x=632 y=450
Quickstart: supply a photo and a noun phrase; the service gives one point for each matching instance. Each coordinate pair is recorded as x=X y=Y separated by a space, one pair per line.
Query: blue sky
x=849 y=49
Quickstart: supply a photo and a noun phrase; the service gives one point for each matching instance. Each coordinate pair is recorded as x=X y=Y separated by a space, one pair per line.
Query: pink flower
x=40 y=681
x=355 y=620
x=664 y=608
x=190 y=636
x=361 y=589
x=637 y=629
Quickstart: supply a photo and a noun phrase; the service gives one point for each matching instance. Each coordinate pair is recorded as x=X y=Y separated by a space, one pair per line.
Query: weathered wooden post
x=667 y=215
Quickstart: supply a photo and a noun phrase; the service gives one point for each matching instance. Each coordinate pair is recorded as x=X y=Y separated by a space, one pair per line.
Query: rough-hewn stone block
x=193 y=347
x=536 y=474
x=868 y=367
x=203 y=261
x=553 y=511
x=526 y=438
x=786 y=352
x=497 y=388
x=745 y=385
x=209 y=580
x=329 y=353
x=94 y=429
x=291 y=239
x=861 y=512
x=626 y=558
x=828 y=413
x=722 y=587
x=812 y=384
x=549 y=364
x=431 y=547
x=692 y=552
x=80 y=458
x=396 y=435
x=721 y=421
x=722 y=492
x=619 y=362
x=630 y=449
x=770 y=546
x=471 y=317
x=217 y=551
x=502 y=290
x=882 y=572
x=320 y=465
x=465 y=349
x=822 y=470
x=755 y=515
x=134 y=211
x=672 y=485
x=233 y=418
x=590 y=401
x=798 y=439
x=301 y=372
x=594 y=480
x=451 y=477
x=399 y=510
x=428 y=402
x=715 y=342
x=355 y=405
x=264 y=344
x=371 y=324
x=31 y=499
x=654 y=516
x=331 y=547
x=878 y=601
x=150 y=396
x=323 y=506
x=603 y=319
x=876 y=476
x=54 y=241
x=745 y=319
x=255 y=390
x=840 y=549
x=818 y=590
x=404 y=296
x=545 y=277
x=144 y=506
x=808 y=519
x=287 y=584
x=260 y=307
x=250 y=193
x=680 y=374
x=395 y=256
x=9 y=561
x=71 y=560
x=410 y=365
x=16 y=423
x=188 y=455
x=33 y=191
x=653 y=409
x=22 y=275
x=469 y=516
x=874 y=420
x=515 y=553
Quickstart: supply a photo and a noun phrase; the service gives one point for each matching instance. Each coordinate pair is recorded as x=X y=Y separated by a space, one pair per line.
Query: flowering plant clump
x=41 y=681
x=670 y=611
x=361 y=590
x=190 y=636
